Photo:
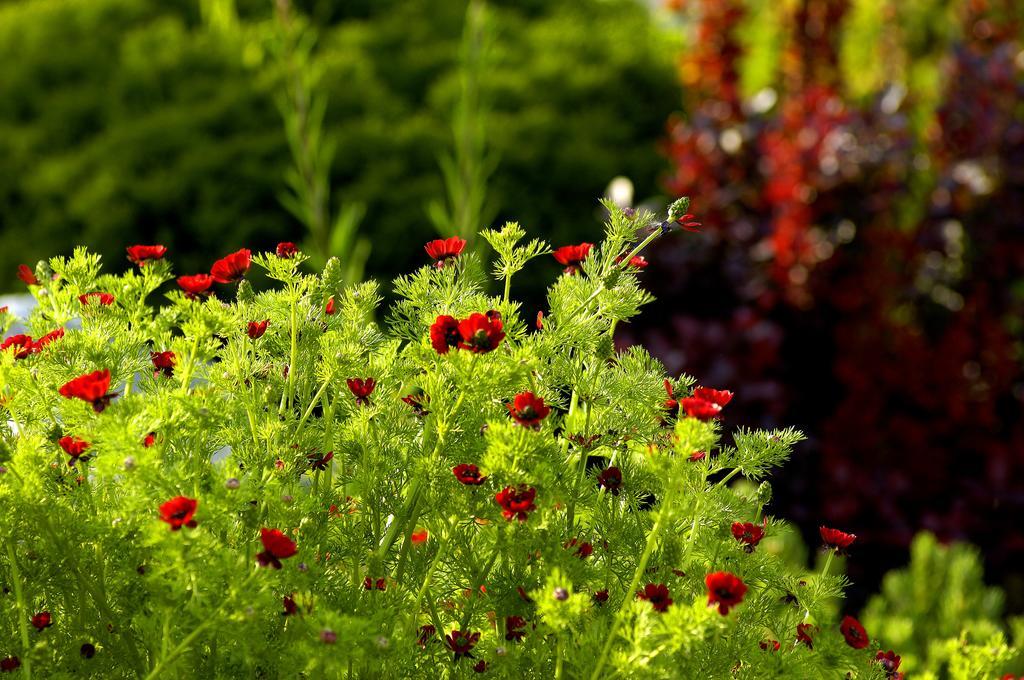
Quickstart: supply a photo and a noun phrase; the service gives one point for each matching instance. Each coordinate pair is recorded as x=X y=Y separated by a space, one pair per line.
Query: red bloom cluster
x=140 y=255
x=468 y=474
x=74 y=447
x=91 y=388
x=195 y=286
x=516 y=502
x=528 y=410
x=231 y=268
x=22 y=345
x=286 y=250
x=706 y=403
x=572 y=256
x=43 y=620
x=163 y=362
x=441 y=250
x=105 y=299
x=657 y=594
x=478 y=333
x=256 y=329
x=179 y=512
x=854 y=633
x=361 y=389
x=836 y=540
x=748 y=533
x=276 y=547
x=610 y=479
x=725 y=590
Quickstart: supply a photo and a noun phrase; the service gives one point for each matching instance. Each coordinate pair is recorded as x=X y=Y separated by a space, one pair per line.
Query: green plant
x=450 y=485
x=943 y=618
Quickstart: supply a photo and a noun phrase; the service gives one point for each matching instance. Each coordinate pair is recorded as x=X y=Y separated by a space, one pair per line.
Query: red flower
x=480 y=332
x=854 y=633
x=637 y=261
x=720 y=397
x=444 y=333
x=9 y=664
x=462 y=643
x=441 y=249
x=149 y=440
x=195 y=286
x=657 y=594
x=516 y=502
x=468 y=474
x=601 y=596
x=142 y=254
x=163 y=361
x=371 y=584
x=105 y=299
x=290 y=607
x=231 y=268
x=276 y=547
x=286 y=250
x=835 y=539
x=611 y=479
x=803 y=634
x=725 y=590
x=256 y=329
x=27 y=275
x=572 y=256
x=318 y=462
x=689 y=223
x=697 y=456
x=699 y=408
x=43 y=620
x=427 y=633
x=419 y=536
x=22 y=345
x=329 y=307
x=890 y=661
x=74 y=447
x=767 y=645
x=514 y=626
x=528 y=410
x=362 y=389
x=47 y=339
x=91 y=387
x=417 y=400
x=748 y=533
x=583 y=549
x=671 y=404
x=179 y=512
x=480 y=666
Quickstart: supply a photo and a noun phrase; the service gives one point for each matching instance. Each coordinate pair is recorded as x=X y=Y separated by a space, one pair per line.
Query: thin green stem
x=581 y=472
x=312 y=405
x=641 y=567
x=186 y=377
x=23 y=615
x=293 y=358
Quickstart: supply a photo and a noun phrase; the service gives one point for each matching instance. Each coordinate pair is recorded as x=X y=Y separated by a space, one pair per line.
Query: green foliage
x=942 y=618
x=126 y=121
x=269 y=432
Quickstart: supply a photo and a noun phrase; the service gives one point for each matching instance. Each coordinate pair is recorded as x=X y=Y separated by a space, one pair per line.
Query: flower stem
x=641 y=567
x=294 y=348
x=23 y=614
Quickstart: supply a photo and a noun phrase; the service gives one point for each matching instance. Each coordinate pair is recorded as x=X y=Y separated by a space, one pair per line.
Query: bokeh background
x=858 y=166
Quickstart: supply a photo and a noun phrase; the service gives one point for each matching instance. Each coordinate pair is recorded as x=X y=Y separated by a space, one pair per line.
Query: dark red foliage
x=854 y=633
x=725 y=590
x=179 y=512
x=231 y=268
x=528 y=409
x=468 y=474
x=92 y=388
x=440 y=250
x=572 y=256
x=140 y=255
x=163 y=362
x=657 y=594
x=276 y=547
x=516 y=502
